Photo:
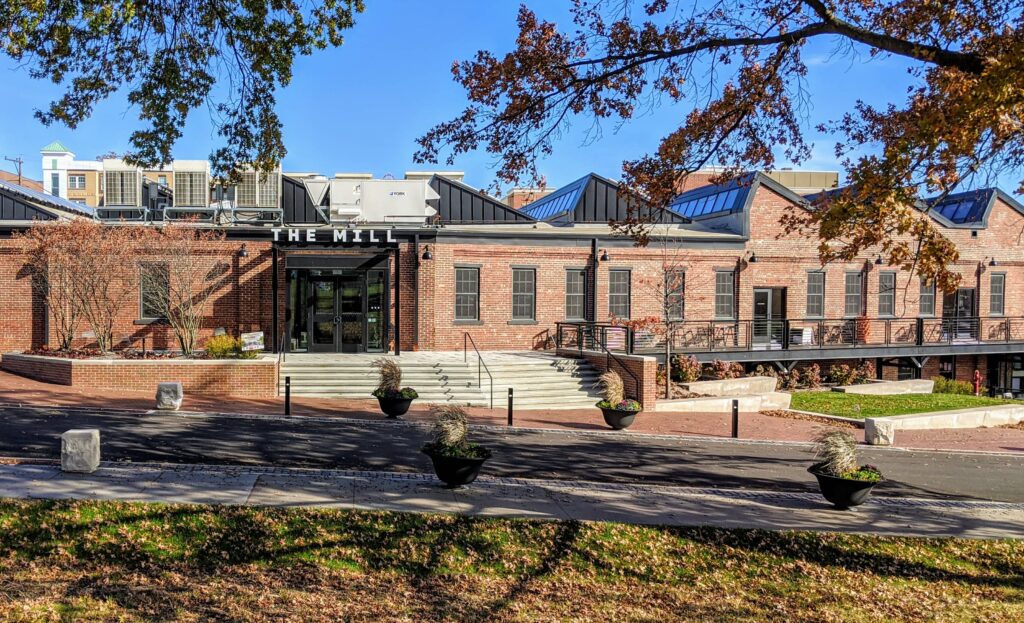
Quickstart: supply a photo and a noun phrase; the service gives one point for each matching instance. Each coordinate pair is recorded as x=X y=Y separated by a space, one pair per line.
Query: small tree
x=51 y=247
x=177 y=284
x=105 y=278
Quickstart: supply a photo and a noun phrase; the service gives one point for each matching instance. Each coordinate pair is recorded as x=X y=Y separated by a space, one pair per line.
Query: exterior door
x=323 y=315
x=351 y=301
x=769 y=317
x=958 y=310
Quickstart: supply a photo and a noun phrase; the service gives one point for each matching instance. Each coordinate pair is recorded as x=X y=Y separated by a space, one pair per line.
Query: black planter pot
x=842 y=492
x=394 y=407
x=617 y=419
x=455 y=471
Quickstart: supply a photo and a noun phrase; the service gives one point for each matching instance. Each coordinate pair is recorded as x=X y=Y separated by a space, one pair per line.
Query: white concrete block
x=169 y=396
x=733 y=387
x=889 y=388
x=80 y=450
x=879 y=431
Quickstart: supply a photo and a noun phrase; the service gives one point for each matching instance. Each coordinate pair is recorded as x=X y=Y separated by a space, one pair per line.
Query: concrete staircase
x=538 y=381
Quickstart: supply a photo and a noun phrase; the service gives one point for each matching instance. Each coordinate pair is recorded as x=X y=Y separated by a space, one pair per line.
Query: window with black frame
x=575 y=294
x=887 y=294
x=852 y=300
x=154 y=290
x=926 y=300
x=997 y=294
x=467 y=294
x=675 y=293
x=815 y=295
x=619 y=293
x=725 y=285
x=524 y=294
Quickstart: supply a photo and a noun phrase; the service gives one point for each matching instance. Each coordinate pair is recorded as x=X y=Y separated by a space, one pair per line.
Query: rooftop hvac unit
x=345 y=198
x=396 y=201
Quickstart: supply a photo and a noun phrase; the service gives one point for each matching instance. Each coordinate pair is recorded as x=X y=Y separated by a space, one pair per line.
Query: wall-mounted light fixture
x=604 y=255
x=244 y=251
x=994 y=262
x=878 y=261
x=753 y=258
x=427 y=255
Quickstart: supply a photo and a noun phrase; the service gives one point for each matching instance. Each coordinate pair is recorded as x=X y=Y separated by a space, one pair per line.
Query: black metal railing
x=599 y=337
x=481 y=365
x=704 y=336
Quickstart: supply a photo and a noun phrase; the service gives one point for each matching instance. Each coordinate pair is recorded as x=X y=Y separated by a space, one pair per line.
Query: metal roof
x=51 y=200
x=559 y=202
x=56 y=146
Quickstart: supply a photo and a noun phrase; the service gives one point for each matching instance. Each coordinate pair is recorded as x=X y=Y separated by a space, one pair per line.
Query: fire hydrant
x=977 y=382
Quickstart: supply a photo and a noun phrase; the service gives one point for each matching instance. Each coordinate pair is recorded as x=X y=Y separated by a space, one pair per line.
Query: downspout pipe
x=416 y=292
x=593 y=279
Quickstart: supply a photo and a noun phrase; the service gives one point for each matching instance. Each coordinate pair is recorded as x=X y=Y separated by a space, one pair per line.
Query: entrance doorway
x=339 y=311
x=769 y=317
x=958 y=312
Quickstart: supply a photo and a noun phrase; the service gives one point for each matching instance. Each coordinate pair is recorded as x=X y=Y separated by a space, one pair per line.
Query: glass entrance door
x=958 y=312
x=350 y=293
x=769 y=314
x=323 y=315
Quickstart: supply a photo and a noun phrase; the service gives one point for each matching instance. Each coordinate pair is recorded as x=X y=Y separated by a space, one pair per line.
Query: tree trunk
x=668 y=366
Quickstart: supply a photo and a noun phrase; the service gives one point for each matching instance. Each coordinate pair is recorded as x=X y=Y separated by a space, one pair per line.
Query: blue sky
x=360 y=107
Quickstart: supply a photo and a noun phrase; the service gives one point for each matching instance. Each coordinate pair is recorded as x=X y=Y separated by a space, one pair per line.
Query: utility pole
x=17 y=163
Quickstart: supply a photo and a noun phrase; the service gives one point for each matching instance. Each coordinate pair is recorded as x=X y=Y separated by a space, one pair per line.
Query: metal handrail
x=727 y=335
x=580 y=341
x=466 y=340
x=607 y=366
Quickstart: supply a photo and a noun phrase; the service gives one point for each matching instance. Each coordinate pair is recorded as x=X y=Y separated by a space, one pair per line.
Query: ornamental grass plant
x=836 y=451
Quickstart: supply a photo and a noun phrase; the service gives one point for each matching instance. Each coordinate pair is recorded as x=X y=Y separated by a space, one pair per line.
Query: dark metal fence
x=700 y=336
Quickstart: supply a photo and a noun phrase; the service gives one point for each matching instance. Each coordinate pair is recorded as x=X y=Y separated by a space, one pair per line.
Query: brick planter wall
x=644 y=388
x=252 y=378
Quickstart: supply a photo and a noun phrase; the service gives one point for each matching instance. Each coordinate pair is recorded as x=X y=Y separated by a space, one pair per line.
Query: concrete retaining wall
x=743 y=386
x=889 y=388
x=723 y=404
x=255 y=378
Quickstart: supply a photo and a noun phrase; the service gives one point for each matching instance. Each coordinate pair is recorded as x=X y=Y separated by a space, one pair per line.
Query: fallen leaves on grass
x=102 y=561
x=793 y=415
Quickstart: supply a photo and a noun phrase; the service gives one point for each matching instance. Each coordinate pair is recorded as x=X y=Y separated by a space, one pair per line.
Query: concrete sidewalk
x=513 y=497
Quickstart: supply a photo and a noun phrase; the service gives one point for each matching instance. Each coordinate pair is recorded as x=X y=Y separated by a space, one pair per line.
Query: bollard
x=510 y=406
x=735 y=419
x=287 y=395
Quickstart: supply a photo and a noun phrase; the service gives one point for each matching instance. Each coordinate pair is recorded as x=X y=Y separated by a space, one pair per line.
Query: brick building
x=356 y=264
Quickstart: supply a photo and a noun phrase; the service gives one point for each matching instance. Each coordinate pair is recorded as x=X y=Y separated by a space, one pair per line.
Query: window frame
x=73 y=180
x=887 y=294
x=628 y=294
x=992 y=294
x=927 y=290
x=719 y=272
x=582 y=272
x=475 y=268
x=820 y=295
x=846 y=293
x=532 y=294
x=143 y=316
x=671 y=276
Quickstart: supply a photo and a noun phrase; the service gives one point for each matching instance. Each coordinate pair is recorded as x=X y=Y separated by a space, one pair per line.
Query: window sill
x=148 y=321
x=467 y=322
x=522 y=322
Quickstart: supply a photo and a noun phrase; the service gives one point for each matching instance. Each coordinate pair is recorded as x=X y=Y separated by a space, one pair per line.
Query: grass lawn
x=862 y=406
x=107 y=561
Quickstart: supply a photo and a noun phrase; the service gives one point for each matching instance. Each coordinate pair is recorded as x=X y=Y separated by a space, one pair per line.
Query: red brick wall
x=644 y=388
x=248 y=378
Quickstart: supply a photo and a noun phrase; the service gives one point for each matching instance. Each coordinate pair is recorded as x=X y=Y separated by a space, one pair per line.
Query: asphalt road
x=381 y=445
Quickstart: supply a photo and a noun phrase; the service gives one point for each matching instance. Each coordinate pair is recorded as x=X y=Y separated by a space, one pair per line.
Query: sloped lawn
x=863 y=406
x=98 y=561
